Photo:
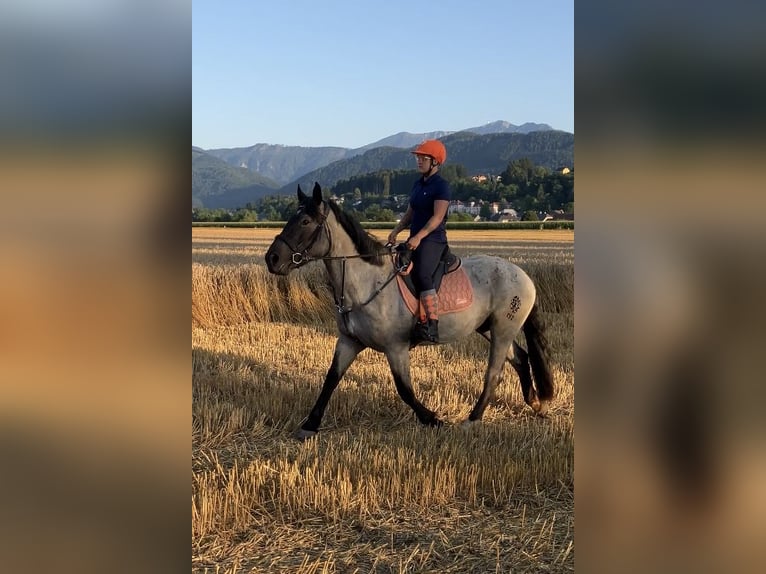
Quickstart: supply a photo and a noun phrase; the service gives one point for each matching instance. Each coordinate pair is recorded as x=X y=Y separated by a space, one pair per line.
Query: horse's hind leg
x=499 y=347
x=399 y=361
x=519 y=358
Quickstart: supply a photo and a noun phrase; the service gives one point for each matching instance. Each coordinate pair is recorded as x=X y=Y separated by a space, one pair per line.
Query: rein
x=300 y=257
x=339 y=304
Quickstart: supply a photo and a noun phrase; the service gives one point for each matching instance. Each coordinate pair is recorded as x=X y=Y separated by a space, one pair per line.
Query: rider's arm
x=403 y=224
x=440 y=212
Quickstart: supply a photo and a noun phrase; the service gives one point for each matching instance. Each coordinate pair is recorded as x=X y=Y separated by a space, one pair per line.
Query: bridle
x=299 y=257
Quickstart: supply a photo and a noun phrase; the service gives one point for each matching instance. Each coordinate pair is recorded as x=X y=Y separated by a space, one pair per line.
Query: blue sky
x=348 y=73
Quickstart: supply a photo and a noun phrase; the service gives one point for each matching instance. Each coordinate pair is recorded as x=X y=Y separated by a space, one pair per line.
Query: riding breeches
x=425 y=259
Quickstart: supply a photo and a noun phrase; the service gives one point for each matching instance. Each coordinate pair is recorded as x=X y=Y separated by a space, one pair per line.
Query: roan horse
x=371 y=312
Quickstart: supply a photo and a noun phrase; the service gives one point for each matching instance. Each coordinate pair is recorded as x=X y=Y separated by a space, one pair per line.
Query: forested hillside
x=215 y=183
x=218 y=184
x=489 y=153
x=287 y=163
x=530 y=190
x=282 y=163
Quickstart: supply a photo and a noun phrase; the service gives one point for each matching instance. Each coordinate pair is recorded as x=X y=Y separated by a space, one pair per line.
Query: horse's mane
x=365 y=243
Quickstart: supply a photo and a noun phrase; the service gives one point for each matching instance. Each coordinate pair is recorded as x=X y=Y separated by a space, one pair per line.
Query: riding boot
x=427 y=327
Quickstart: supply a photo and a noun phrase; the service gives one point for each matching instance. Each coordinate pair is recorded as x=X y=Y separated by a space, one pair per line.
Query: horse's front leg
x=346 y=350
x=399 y=361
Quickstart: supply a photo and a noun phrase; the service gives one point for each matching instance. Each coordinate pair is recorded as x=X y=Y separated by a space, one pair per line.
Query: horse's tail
x=537 y=346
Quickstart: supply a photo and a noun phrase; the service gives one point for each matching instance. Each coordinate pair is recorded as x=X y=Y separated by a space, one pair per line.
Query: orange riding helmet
x=433 y=148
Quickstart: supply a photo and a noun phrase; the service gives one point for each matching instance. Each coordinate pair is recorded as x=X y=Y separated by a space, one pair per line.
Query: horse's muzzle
x=274 y=264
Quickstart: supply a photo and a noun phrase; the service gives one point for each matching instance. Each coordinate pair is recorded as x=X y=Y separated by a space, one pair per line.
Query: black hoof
x=433 y=422
x=303 y=435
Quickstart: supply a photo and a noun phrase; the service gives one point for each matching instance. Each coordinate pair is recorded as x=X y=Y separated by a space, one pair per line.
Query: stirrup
x=426 y=332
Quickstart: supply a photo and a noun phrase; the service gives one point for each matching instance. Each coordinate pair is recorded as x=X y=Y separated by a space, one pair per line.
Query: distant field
x=221 y=245
x=375 y=492
x=562 y=235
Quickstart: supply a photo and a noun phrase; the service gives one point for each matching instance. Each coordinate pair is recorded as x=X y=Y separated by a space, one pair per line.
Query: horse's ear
x=302 y=197
x=317 y=193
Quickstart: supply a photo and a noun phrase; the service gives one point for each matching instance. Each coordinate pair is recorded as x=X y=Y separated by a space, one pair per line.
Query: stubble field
x=375 y=491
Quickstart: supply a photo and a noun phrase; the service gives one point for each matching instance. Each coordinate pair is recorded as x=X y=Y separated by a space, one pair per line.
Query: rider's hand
x=392 y=237
x=413 y=242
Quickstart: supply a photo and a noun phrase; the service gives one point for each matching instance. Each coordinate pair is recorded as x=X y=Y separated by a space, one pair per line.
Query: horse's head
x=302 y=238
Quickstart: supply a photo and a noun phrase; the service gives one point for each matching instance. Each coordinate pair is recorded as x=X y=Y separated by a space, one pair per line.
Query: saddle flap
x=455 y=293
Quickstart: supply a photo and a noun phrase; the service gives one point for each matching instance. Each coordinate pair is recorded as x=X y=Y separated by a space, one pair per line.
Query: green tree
x=530 y=215
x=372 y=213
x=386 y=215
x=542 y=199
x=288 y=206
x=269 y=214
x=460 y=217
x=519 y=171
x=508 y=192
x=200 y=214
x=453 y=172
x=245 y=215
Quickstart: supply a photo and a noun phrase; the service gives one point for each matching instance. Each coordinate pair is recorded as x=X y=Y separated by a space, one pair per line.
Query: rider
x=426 y=217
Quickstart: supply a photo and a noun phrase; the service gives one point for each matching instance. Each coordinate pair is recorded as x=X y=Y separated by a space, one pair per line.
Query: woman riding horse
x=426 y=216
x=371 y=312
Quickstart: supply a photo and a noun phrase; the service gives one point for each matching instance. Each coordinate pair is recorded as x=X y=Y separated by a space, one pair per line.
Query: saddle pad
x=455 y=293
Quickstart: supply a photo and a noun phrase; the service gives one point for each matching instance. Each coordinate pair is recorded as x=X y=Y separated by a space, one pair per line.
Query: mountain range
x=216 y=183
x=230 y=177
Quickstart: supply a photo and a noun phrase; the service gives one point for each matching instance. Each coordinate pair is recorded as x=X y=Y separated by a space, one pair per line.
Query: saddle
x=450 y=281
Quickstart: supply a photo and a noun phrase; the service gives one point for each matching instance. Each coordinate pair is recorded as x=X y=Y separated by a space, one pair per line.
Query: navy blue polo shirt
x=424 y=193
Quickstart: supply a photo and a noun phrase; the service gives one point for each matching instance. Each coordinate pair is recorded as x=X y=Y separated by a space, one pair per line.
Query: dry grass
x=376 y=492
x=231 y=295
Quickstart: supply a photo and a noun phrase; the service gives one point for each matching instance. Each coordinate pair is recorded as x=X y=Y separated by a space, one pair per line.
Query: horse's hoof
x=540 y=408
x=303 y=434
x=468 y=424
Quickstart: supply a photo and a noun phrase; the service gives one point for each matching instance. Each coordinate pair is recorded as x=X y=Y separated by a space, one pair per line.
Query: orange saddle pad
x=455 y=293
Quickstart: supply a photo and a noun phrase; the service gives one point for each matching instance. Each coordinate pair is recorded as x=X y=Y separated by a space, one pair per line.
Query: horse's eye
x=305 y=221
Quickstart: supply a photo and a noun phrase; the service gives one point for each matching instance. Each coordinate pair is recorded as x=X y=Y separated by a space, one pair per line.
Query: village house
x=556 y=215
x=457 y=206
x=481 y=178
x=507 y=214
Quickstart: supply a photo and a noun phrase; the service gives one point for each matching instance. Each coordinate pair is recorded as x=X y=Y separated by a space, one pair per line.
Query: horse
x=371 y=313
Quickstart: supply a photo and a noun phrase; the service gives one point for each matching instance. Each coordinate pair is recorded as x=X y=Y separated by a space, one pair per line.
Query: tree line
x=380 y=196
